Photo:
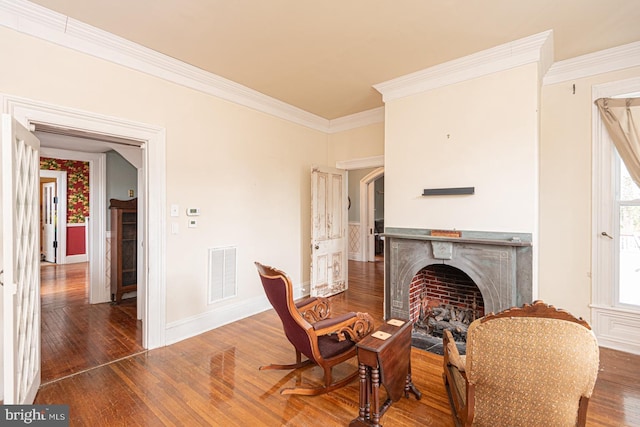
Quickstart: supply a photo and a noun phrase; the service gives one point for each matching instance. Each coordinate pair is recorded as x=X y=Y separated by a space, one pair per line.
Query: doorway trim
x=61 y=194
x=153 y=145
x=367 y=210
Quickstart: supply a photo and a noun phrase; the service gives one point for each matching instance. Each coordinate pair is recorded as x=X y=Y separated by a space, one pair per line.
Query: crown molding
x=536 y=48
x=34 y=20
x=357 y=120
x=604 y=61
x=362 y=163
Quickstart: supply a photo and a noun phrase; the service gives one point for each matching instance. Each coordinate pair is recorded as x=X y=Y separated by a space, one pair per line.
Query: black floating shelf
x=448 y=191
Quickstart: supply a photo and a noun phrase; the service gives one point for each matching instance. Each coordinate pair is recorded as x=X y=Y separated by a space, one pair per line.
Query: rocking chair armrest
x=314 y=309
x=300 y=305
x=354 y=325
x=451 y=353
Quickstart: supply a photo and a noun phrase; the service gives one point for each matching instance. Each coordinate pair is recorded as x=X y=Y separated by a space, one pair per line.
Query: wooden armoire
x=124 y=247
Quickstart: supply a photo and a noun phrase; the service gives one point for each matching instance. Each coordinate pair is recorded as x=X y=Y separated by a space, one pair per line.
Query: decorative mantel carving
x=500 y=264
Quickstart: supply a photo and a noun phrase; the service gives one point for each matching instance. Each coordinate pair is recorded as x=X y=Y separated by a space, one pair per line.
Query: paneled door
x=49 y=221
x=329 y=231
x=19 y=154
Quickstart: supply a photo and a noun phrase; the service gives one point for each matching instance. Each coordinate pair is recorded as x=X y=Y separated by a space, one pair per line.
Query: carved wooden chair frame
x=313 y=316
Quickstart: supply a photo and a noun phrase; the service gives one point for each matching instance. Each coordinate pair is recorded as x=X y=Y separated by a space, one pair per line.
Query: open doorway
x=366 y=214
x=376 y=209
x=152 y=139
x=81 y=330
x=54 y=216
x=51 y=183
x=366 y=221
x=35 y=115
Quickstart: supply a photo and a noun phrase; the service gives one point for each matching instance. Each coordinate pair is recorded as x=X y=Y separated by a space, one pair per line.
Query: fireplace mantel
x=499 y=263
x=486 y=238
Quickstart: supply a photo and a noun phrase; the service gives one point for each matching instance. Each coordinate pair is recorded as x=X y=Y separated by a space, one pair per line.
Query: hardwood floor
x=76 y=335
x=213 y=380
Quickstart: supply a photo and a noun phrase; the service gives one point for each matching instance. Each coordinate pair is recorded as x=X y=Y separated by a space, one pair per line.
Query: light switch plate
x=175 y=210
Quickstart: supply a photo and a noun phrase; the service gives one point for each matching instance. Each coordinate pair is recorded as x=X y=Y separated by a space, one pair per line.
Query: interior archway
x=367 y=210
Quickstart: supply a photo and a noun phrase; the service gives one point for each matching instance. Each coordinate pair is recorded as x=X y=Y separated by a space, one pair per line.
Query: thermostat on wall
x=193 y=211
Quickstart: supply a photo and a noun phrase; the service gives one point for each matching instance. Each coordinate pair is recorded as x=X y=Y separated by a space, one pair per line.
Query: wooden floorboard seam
x=44 y=384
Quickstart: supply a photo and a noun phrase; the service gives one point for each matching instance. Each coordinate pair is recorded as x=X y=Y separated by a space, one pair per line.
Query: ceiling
x=325 y=56
x=72 y=143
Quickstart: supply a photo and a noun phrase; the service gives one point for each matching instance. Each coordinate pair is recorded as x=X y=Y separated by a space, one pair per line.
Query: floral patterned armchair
x=529 y=366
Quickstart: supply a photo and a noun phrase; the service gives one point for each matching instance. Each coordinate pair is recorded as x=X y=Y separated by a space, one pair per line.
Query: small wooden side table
x=384 y=357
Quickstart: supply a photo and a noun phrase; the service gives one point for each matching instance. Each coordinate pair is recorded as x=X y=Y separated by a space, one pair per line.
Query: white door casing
x=49 y=217
x=20 y=262
x=153 y=245
x=329 y=221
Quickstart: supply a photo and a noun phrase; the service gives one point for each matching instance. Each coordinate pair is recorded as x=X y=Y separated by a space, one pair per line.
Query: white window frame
x=615 y=325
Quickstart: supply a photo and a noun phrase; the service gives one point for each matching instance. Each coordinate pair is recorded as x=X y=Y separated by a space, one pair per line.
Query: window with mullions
x=627 y=213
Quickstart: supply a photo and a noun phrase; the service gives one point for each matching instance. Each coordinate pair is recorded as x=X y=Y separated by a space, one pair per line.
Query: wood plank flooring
x=77 y=335
x=213 y=380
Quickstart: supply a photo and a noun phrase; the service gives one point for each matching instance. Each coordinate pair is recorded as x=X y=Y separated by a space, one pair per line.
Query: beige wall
x=248 y=172
x=565 y=191
x=363 y=142
x=480 y=133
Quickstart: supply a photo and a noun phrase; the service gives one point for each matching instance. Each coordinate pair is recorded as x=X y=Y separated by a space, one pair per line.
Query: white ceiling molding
x=604 y=61
x=535 y=48
x=362 y=163
x=357 y=120
x=37 y=21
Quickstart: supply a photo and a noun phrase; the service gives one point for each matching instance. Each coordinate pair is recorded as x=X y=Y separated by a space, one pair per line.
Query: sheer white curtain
x=621 y=117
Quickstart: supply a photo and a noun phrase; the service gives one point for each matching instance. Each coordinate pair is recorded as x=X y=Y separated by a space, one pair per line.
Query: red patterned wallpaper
x=77 y=186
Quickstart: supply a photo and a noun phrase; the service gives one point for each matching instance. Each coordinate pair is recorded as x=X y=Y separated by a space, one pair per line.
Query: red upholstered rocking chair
x=324 y=340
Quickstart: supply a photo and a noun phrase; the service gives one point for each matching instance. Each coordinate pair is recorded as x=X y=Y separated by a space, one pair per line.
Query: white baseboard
x=196 y=325
x=72 y=259
x=355 y=256
x=616 y=328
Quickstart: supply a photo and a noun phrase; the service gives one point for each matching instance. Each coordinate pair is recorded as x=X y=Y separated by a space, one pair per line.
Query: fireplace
x=444 y=297
x=498 y=264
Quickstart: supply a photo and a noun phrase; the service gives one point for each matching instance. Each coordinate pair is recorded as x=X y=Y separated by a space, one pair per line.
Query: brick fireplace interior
x=441 y=284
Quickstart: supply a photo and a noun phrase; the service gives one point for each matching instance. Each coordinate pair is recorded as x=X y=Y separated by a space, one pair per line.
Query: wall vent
x=222 y=274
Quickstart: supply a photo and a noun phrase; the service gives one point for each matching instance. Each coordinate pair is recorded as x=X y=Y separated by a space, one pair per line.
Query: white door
x=19 y=153
x=49 y=221
x=328 y=231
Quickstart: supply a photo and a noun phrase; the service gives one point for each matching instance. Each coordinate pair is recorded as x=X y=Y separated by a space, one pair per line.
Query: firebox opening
x=443 y=297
